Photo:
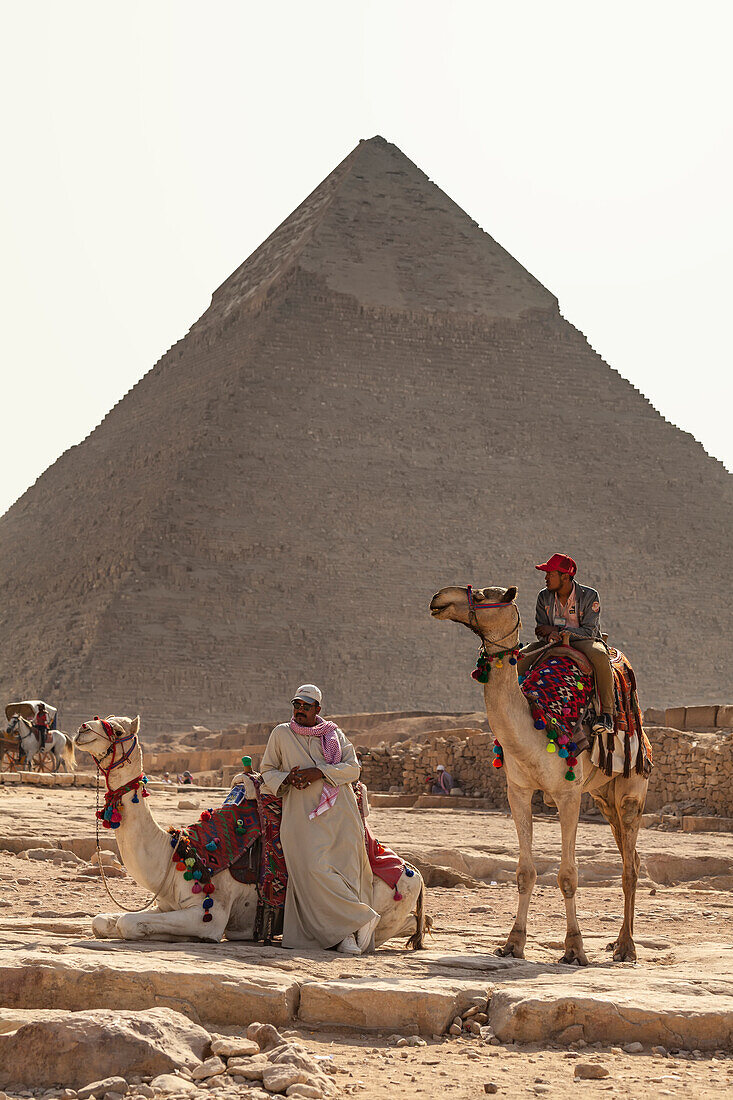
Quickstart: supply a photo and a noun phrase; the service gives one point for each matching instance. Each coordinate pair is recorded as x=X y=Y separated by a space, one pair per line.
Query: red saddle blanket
x=245 y=840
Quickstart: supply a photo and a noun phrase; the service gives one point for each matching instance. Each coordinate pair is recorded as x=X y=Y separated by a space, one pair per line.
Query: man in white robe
x=311 y=765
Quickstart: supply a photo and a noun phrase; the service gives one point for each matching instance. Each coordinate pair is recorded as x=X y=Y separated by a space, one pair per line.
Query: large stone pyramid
x=378 y=402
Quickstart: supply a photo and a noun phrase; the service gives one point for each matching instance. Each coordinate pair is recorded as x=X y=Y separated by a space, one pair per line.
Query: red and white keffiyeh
x=331 y=749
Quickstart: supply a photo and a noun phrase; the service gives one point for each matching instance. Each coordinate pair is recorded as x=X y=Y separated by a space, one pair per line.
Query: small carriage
x=11 y=755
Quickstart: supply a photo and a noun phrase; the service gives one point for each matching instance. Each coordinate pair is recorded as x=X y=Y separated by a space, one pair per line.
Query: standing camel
x=529 y=767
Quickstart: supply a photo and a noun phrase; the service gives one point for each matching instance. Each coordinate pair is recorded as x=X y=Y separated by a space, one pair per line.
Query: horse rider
x=41 y=725
x=566 y=607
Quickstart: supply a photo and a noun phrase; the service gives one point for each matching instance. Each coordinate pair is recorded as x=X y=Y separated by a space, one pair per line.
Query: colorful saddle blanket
x=558 y=694
x=614 y=753
x=245 y=840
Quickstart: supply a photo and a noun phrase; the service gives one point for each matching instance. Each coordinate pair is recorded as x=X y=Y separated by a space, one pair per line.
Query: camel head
x=98 y=736
x=489 y=612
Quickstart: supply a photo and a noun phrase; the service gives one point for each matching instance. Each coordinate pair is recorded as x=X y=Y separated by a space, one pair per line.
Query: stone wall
x=688 y=768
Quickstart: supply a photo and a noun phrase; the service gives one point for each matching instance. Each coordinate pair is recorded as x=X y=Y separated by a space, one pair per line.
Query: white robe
x=329 y=878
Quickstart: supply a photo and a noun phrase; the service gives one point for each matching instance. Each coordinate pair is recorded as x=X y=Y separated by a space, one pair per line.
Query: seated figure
x=568 y=608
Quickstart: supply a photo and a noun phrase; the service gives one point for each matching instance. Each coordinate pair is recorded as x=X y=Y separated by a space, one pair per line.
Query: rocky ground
x=546 y=1023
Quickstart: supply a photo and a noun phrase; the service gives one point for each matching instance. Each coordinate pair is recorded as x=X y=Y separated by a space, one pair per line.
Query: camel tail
x=423 y=923
x=69 y=752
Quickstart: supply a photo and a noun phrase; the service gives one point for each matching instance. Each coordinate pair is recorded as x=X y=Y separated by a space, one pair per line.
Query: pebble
x=455 y=1029
x=633 y=1048
x=101 y=1088
x=590 y=1071
x=491 y=1087
x=661 y=1052
x=144 y=1090
x=235 y=1048
x=212 y=1067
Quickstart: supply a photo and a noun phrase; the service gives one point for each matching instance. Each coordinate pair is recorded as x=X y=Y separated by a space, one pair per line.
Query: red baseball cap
x=559 y=563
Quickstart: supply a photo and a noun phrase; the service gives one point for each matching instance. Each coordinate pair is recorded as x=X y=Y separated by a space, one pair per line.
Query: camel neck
x=505 y=703
x=143 y=845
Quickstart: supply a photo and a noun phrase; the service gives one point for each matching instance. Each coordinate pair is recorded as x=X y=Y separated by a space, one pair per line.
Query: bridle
x=117 y=738
x=474 y=606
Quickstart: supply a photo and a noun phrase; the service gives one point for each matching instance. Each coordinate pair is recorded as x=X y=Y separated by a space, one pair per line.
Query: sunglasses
x=302 y=703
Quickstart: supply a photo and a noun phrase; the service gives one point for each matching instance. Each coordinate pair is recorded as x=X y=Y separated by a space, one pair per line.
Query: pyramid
x=380 y=401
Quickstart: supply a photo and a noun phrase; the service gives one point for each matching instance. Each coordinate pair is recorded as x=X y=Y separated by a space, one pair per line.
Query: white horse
x=145 y=850
x=61 y=747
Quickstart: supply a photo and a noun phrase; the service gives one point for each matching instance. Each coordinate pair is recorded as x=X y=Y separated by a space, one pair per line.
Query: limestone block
x=67 y=1049
x=675 y=718
x=278 y=1078
x=249 y=1068
x=700 y=717
x=707 y=824
x=724 y=718
x=428 y=1005
x=220 y=990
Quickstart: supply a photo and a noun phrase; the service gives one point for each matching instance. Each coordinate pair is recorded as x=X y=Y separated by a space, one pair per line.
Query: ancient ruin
x=380 y=399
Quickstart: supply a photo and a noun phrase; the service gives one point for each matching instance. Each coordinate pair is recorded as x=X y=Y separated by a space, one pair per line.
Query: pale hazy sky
x=150 y=146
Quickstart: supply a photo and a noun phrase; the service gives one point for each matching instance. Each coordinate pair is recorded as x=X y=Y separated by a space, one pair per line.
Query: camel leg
x=567 y=878
x=520 y=803
x=629 y=807
x=184 y=924
x=622 y=803
x=104 y=926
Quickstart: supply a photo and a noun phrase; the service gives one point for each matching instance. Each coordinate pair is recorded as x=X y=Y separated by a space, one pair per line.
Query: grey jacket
x=587 y=605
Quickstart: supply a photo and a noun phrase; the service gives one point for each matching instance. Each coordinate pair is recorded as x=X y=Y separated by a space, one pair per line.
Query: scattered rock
x=661 y=1052
x=212 y=1067
x=99 y=1088
x=187 y=804
x=308 y=1091
x=265 y=1035
x=114 y=1095
x=571 y=1034
x=249 y=1068
x=490 y=1087
x=277 y=1078
x=170 y=1082
x=67 y=1048
x=235 y=1047
x=144 y=1090
x=590 y=1071
x=633 y=1048
x=454 y=1029
x=55 y=855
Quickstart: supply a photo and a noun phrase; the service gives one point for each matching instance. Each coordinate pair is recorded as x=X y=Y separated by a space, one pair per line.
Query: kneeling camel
x=145 y=850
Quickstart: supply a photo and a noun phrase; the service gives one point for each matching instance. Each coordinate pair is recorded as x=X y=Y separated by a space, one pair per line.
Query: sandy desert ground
x=684 y=934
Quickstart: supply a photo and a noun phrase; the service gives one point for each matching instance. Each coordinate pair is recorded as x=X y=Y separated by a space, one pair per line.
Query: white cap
x=441 y=767
x=310 y=693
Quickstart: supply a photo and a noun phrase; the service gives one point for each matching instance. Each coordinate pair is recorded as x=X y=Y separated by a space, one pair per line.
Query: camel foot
x=574 y=953
x=575 y=958
x=104 y=926
x=624 y=950
x=510 y=950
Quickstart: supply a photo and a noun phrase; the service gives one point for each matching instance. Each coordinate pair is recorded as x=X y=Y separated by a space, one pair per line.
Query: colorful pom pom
x=206 y=815
x=409 y=872
x=207 y=903
x=196 y=888
x=188 y=875
x=207 y=917
x=539 y=724
x=550 y=746
x=211 y=846
x=397 y=895
x=497 y=762
x=562 y=752
x=570 y=774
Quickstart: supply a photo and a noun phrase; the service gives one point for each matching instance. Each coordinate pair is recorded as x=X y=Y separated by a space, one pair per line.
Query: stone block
x=700 y=717
x=674 y=717
x=724 y=717
x=707 y=824
x=397 y=1004
x=654 y=717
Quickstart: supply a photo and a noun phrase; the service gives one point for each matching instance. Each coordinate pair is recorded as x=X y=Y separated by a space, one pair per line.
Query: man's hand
x=300 y=778
x=554 y=636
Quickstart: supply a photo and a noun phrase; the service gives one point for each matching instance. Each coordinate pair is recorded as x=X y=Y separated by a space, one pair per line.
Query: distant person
x=443 y=781
x=41 y=725
x=311 y=765
x=566 y=607
x=186 y=778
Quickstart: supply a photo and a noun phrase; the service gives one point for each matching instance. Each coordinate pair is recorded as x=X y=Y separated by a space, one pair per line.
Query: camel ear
x=509 y=596
x=135 y=724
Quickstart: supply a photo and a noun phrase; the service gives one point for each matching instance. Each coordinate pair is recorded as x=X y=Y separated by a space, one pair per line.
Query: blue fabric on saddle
x=558 y=694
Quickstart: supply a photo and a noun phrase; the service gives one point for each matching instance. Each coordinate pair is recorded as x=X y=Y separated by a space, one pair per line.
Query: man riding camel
x=310 y=765
x=566 y=607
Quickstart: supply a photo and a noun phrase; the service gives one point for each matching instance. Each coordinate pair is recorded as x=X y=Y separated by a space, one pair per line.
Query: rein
x=111 y=816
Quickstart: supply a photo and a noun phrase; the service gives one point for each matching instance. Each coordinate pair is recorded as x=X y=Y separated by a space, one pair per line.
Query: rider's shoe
x=603 y=723
x=365 y=933
x=349 y=946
